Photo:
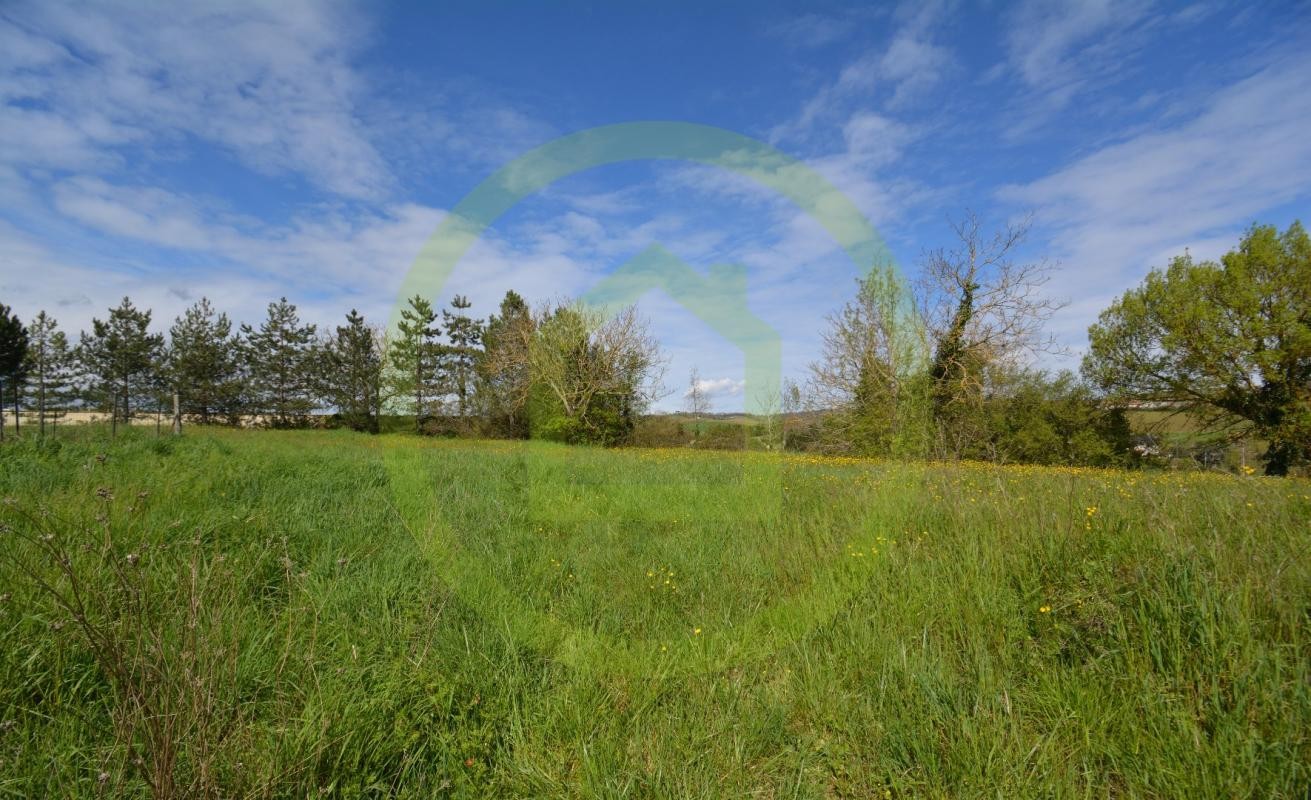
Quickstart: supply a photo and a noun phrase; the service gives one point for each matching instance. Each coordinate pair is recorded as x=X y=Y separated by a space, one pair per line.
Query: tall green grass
x=325 y=614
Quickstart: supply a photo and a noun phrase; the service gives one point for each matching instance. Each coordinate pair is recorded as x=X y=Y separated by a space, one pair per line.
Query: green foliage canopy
x=1231 y=340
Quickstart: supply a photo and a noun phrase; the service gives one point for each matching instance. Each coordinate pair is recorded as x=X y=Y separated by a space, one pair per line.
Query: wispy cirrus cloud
x=908 y=64
x=113 y=115
x=270 y=84
x=1059 y=52
x=1126 y=207
x=1061 y=48
x=274 y=86
x=810 y=30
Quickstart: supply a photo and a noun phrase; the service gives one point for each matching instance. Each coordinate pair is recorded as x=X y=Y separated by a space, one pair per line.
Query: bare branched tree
x=695 y=399
x=772 y=406
x=983 y=310
x=1000 y=305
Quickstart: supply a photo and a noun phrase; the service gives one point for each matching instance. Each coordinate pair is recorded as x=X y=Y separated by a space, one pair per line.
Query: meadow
x=327 y=614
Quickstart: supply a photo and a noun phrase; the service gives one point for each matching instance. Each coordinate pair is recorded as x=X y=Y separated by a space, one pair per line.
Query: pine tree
x=460 y=356
x=13 y=360
x=503 y=376
x=122 y=355
x=63 y=382
x=203 y=363
x=282 y=359
x=414 y=357
x=355 y=361
x=48 y=368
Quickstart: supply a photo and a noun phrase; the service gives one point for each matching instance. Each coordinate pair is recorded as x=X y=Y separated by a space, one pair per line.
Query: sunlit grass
x=426 y=618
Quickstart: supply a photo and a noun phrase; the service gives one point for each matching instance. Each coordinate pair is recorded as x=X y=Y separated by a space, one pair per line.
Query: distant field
x=323 y=614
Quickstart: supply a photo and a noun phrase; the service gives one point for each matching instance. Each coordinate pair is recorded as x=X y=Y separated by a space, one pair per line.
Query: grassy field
x=322 y=614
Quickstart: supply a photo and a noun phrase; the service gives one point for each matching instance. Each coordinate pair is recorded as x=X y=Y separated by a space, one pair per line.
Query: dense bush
x=659 y=431
x=717 y=435
x=1040 y=420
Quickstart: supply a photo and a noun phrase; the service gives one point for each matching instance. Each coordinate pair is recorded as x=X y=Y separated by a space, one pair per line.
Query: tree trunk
x=2 y=411
x=1279 y=457
x=177 y=414
x=17 y=432
x=418 y=395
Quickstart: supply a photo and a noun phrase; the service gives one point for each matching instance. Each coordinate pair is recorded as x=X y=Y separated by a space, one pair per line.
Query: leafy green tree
x=459 y=356
x=13 y=360
x=122 y=355
x=503 y=369
x=591 y=377
x=282 y=360
x=355 y=373
x=49 y=368
x=1230 y=341
x=203 y=363
x=871 y=374
x=414 y=358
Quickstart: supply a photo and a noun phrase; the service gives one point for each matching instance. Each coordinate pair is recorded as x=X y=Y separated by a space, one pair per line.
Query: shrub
x=159 y=625
x=659 y=431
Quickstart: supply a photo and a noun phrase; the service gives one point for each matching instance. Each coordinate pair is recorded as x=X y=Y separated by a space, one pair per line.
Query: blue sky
x=245 y=151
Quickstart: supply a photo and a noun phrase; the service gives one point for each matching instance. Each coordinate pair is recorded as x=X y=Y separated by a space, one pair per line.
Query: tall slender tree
x=695 y=400
x=281 y=357
x=460 y=355
x=63 y=382
x=413 y=356
x=122 y=354
x=13 y=360
x=503 y=374
x=355 y=370
x=47 y=368
x=203 y=364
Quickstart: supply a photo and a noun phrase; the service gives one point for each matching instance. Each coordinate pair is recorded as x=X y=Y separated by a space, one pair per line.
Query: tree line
x=561 y=371
x=934 y=367
x=940 y=367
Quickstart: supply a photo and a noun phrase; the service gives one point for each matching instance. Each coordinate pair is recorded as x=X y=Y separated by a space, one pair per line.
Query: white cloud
x=848 y=126
x=717 y=387
x=36 y=278
x=1124 y=208
x=144 y=214
x=901 y=71
x=320 y=247
x=1060 y=51
x=1058 y=46
x=913 y=64
x=810 y=30
x=268 y=83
